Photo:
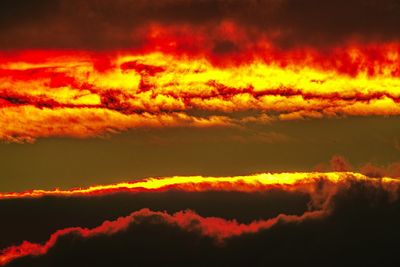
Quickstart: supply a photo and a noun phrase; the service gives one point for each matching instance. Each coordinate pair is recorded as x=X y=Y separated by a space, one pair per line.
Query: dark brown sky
x=102 y=24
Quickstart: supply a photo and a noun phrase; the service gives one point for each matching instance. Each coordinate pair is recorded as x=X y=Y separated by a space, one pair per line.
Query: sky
x=282 y=146
x=228 y=126
x=95 y=92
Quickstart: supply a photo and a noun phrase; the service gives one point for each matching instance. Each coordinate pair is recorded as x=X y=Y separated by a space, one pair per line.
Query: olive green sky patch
x=278 y=146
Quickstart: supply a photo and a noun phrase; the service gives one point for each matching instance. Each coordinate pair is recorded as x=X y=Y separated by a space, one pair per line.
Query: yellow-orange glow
x=251 y=183
x=81 y=94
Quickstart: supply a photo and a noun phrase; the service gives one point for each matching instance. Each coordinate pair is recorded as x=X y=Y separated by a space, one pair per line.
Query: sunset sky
x=166 y=112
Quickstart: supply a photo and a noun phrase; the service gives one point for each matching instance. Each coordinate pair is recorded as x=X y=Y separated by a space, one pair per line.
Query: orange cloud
x=82 y=94
x=305 y=182
x=340 y=164
x=373 y=170
x=26 y=123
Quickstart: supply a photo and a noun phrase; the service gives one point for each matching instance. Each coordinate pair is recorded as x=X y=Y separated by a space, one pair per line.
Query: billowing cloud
x=340 y=164
x=374 y=170
x=46 y=215
x=213 y=227
x=353 y=205
x=82 y=94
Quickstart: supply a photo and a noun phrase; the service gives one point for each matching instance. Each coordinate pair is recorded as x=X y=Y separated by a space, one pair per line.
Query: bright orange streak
x=84 y=94
x=258 y=182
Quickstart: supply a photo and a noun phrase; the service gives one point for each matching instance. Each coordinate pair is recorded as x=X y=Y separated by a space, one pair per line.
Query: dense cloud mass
x=82 y=94
x=114 y=24
x=49 y=214
x=90 y=68
x=357 y=225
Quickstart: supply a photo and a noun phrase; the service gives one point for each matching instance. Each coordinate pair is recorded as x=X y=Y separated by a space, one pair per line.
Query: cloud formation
x=46 y=215
x=356 y=207
x=83 y=94
x=374 y=170
x=301 y=181
x=213 y=227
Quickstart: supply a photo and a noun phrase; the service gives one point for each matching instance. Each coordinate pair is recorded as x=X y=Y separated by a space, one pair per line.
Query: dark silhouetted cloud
x=357 y=225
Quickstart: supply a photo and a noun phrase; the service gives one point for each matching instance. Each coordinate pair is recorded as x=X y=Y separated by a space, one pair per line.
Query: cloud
x=267 y=194
x=82 y=94
x=49 y=214
x=26 y=124
x=340 y=164
x=346 y=225
x=373 y=170
x=302 y=181
x=103 y=25
x=213 y=227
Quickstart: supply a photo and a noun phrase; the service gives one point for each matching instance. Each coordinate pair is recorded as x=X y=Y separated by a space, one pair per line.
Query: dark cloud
x=362 y=230
x=105 y=24
x=36 y=219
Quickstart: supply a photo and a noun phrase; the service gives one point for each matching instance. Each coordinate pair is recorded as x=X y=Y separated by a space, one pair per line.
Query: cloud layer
x=345 y=220
x=84 y=94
